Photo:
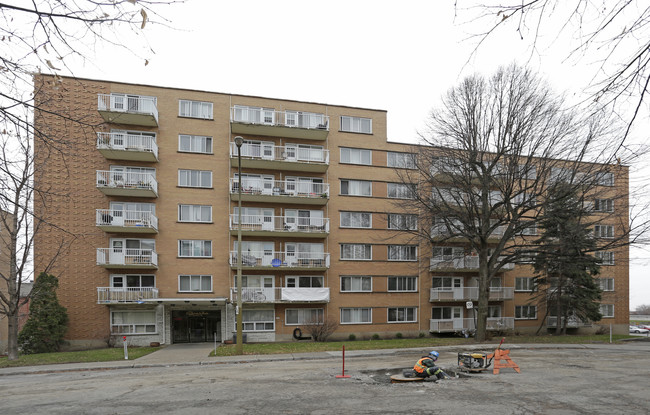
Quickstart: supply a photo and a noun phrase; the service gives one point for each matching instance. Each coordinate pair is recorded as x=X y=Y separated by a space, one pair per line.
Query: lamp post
x=239 y=347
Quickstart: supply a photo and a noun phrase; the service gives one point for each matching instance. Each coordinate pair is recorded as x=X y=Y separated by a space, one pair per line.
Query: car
x=638 y=330
x=643 y=326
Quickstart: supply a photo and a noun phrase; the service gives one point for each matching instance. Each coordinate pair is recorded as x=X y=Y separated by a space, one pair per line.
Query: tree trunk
x=12 y=337
x=483 y=296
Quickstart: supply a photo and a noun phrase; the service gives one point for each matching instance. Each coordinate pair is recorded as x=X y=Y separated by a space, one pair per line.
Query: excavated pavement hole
x=383 y=376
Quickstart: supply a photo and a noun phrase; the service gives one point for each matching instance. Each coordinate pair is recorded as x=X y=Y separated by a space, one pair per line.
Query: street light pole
x=239 y=347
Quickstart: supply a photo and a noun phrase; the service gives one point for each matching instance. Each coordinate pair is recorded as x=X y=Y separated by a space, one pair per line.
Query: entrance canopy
x=203 y=302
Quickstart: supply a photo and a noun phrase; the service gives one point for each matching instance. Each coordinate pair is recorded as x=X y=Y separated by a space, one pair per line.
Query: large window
x=296 y=316
x=402 y=284
x=604 y=231
x=195 y=109
x=194 y=144
x=356 y=187
x=603 y=205
x=402 y=252
x=356 y=283
x=402 y=221
x=605 y=257
x=356 y=156
x=195 y=283
x=133 y=322
x=526 y=312
x=132 y=281
x=195 y=213
x=356 y=251
x=356 y=125
x=258 y=320
x=606 y=284
x=446 y=283
x=402 y=314
x=356 y=220
x=400 y=160
x=607 y=310
x=194 y=248
x=524 y=284
x=605 y=179
x=304 y=281
x=400 y=190
x=356 y=315
x=195 y=178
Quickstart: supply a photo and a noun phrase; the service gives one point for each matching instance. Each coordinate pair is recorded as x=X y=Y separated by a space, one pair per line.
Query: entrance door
x=457 y=317
x=116 y=254
x=197 y=327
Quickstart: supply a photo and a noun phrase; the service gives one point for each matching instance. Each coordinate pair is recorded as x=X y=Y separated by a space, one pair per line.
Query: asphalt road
x=595 y=379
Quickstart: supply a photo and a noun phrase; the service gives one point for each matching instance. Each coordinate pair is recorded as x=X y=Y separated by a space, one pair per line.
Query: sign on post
x=126 y=351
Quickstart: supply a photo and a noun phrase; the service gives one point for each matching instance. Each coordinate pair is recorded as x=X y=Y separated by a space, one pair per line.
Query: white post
x=126 y=351
x=610 y=332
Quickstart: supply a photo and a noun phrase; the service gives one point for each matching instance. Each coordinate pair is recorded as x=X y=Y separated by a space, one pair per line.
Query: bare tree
x=493 y=149
x=44 y=36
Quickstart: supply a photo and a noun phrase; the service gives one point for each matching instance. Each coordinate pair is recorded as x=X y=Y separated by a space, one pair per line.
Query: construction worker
x=426 y=366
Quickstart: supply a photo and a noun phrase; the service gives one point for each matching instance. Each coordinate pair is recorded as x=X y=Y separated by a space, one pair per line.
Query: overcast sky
x=396 y=56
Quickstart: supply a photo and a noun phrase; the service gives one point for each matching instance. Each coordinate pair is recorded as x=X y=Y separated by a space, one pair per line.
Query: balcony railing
x=281 y=153
x=293 y=119
x=281 y=260
x=280 y=188
x=470 y=293
x=122 y=183
x=282 y=295
x=127 y=258
x=129 y=143
x=466 y=262
x=128 y=109
x=460 y=324
x=125 y=295
x=280 y=223
x=122 y=220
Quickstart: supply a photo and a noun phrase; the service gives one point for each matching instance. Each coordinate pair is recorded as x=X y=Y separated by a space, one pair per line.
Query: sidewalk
x=198 y=354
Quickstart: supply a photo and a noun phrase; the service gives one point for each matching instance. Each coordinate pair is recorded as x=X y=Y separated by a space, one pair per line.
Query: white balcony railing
x=469 y=293
x=126 y=218
x=272 y=152
x=127 y=180
x=280 y=188
x=266 y=116
x=282 y=260
x=133 y=104
x=460 y=324
x=127 y=142
x=280 y=294
x=280 y=223
x=440 y=230
x=127 y=256
x=125 y=295
x=466 y=262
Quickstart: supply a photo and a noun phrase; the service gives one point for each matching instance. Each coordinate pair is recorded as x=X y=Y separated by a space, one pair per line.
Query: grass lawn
x=95 y=355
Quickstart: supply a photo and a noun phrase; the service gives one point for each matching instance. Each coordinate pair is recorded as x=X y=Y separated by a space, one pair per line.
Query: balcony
x=113 y=295
x=283 y=226
x=281 y=191
x=128 y=109
x=469 y=293
x=286 y=124
x=128 y=146
x=119 y=183
x=460 y=324
x=269 y=260
x=460 y=264
x=126 y=221
x=272 y=157
x=127 y=258
x=439 y=232
x=282 y=295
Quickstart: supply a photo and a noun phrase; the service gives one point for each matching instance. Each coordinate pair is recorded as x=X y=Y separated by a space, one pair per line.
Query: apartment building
x=152 y=197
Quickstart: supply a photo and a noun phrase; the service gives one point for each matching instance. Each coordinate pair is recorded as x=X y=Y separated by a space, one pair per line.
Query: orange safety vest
x=421 y=367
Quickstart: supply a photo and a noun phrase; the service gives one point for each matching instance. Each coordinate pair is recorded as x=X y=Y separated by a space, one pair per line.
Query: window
x=529 y=228
x=304 y=281
x=356 y=187
x=195 y=109
x=402 y=222
x=403 y=284
x=402 y=314
x=258 y=320
x=447 y=253
x=494 y=311
x=356 y=251
x=605 y=257
x=446 y=313
x=604 y=231
x=195 y=178
x=605 y=179
x=606 y=284
x=402 y=252
x=401 y=190
x=607 y=310
x=356 y=125
x=296 y=316
x=254 y=115
x=603 y=205
x=195 y=144
x=524 y=284
x=526 y=312
x=194 y=248
x=356 y=220
x=446 y=283
x=527 y=171
x=132 y=281
x=195 y=213
x=356 y=315
x=356 y=284
x=356 y=156
x=400 y=160
x=133 y=322
x=195 y=283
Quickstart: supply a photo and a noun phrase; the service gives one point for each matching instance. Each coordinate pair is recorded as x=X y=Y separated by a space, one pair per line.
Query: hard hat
x=434 y=355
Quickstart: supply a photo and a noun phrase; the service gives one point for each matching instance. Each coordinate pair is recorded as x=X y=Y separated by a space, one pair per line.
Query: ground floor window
x=356 y=315
x=402 y=314
x=258 y=320
x=607 y=310
x=133 y=322
x=526 y=312
x=295 y=316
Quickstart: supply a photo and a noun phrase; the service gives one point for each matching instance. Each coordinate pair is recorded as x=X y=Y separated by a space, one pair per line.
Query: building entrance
x=195 y=326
